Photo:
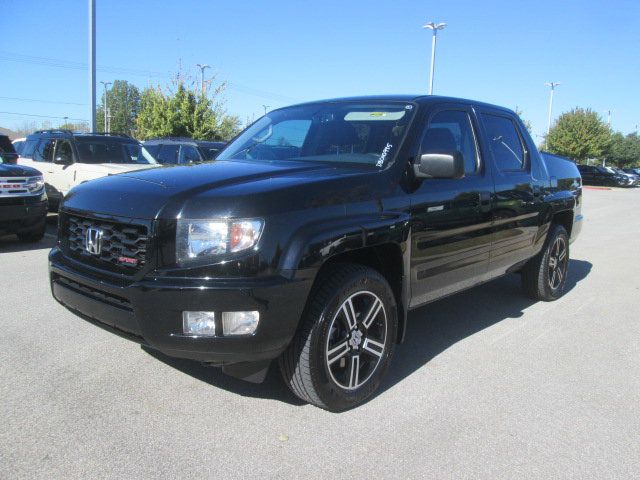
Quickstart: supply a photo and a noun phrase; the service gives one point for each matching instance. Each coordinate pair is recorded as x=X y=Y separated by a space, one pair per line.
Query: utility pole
x=92 y=63
x=609 y=118
x=553 y=86
x=434 y=27
x=202 y=68
x=106 y=124
x=266 y=107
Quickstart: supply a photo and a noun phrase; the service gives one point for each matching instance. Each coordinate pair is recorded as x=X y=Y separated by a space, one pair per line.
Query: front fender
x=314 y=243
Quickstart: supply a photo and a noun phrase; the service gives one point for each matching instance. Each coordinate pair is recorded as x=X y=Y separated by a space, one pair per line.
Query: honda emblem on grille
x=93 y=241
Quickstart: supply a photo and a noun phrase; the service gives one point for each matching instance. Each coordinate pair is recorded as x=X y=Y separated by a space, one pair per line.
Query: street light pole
x=266 y=107
x=553 y=86
x=92 y=64
x=434 y=27
x=106 y=125
x=202 y=68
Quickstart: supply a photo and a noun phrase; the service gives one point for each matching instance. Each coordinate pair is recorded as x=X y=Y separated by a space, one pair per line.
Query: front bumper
x=19 y=215
x=149 y=311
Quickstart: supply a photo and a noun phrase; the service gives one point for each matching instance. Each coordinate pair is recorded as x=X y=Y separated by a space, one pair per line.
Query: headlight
x=35 y=184
x=201 y=239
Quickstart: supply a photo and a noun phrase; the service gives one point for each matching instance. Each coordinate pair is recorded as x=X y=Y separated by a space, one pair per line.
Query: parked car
x=597 y=175
x=67 y=158
x=7 y=151
x=314 y=233
x=635 y=179
x=23 y=202
x=633 y=171
x=182 y=151
x=18 y=144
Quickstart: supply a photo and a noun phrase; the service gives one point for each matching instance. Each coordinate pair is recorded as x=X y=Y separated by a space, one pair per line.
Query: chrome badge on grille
x=93 y=240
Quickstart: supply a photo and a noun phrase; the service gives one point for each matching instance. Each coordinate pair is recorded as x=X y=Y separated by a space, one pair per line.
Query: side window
x=153 y=150
x=188 y=154
x=505 y=142
x=64 y=152
x=451 y=130
x=29 y=148
x=168 y=154
x=44 y=151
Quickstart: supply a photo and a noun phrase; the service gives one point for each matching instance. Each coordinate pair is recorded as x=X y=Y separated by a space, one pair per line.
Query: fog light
x=239 y=323
x=199 y=323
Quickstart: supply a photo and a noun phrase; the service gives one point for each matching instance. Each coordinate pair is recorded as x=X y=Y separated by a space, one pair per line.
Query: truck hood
x=17 y=171
x=165 y=191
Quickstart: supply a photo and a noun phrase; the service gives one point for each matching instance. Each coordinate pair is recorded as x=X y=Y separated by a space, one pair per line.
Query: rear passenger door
x=516 y=204
x=450 y=218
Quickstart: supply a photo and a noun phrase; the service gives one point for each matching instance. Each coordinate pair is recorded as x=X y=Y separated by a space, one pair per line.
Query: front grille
x=123 y=246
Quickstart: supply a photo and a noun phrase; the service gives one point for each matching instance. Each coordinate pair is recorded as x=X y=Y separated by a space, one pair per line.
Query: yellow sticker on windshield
x=374 y=116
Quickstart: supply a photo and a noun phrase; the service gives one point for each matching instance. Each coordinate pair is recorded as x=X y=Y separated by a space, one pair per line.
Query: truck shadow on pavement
x=11 y=244
x=431 y=330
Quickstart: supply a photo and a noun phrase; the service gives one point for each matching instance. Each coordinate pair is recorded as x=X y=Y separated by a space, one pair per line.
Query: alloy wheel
x=557 y=263
x=357 y=340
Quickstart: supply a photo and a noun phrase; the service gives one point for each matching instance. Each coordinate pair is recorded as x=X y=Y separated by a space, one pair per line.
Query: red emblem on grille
x=129 y=260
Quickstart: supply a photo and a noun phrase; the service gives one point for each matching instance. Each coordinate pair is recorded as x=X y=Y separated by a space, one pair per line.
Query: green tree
x=527 y=123
x=579 y=134
x=75 y=127
x=123 y=104
x=625 y=150
x=184 y=113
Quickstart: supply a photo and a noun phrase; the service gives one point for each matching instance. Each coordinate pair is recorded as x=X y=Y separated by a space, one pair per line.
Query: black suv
x=597 y=175
x=23 y=201
x=183 y=151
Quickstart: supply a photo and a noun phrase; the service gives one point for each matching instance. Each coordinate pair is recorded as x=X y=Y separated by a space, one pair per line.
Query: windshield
x=112 y=151
x=343 y=132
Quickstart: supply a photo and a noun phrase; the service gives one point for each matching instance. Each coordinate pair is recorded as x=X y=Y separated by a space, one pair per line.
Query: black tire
x=33 y=236
x=311 y=370
x=544 y=277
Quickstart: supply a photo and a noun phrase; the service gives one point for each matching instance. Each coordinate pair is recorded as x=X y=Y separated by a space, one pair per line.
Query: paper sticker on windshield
x=374 y=116
x=384 y=154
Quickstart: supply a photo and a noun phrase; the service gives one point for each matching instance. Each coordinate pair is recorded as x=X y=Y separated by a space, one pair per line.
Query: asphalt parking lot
x=488 y=385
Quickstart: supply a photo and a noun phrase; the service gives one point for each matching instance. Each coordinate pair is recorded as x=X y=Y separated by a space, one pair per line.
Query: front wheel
x=545 y=276
x=345 y=340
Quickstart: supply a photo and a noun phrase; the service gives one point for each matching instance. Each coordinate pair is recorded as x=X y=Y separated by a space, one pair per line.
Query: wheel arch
x=387 y=259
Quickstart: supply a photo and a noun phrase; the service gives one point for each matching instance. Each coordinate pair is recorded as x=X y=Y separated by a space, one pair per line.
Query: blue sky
x=280 y=52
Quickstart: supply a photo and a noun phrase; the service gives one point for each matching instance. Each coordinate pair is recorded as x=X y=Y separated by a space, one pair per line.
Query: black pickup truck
x=314 y=233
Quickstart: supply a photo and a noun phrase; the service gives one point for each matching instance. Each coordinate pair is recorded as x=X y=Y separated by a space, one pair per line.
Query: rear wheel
x=345 y=341
x=545 y=276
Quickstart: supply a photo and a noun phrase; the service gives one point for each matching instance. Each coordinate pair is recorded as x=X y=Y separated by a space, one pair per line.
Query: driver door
x=64 y=167
x=450 y=218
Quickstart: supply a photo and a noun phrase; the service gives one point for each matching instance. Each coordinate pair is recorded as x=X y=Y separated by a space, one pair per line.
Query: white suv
x=67 y=159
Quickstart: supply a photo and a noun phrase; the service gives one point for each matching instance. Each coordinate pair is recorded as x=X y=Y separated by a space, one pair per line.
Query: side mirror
x=440 y=165
x=62 y=161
